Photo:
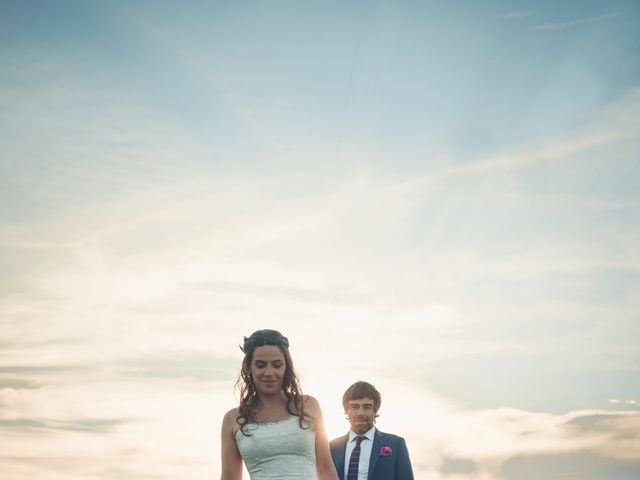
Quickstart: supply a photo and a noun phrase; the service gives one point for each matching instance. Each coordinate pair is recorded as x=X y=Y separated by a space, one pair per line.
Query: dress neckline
x=273 y=422
x=266 y=424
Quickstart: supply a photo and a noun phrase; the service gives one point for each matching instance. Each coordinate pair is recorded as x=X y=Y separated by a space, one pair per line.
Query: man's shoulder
x=338 y=440
x=389 y=436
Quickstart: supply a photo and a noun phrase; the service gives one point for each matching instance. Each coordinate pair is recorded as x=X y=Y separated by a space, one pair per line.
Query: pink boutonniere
x=386 y=452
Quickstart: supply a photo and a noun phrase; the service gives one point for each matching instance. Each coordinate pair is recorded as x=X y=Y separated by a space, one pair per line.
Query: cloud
x=18 y=383
x=580 y=465
x=89 y=425
x=573 y=23
x=516 y=15
x=443 y=439
x=560 y=151
x=291 y=292
x=36 y=369
x=54 y=156
x=457 y=466
x=187 y=366
x=517 y=436
x=106 y=460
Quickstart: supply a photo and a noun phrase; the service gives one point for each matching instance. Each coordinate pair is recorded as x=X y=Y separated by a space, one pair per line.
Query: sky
x=440 y=198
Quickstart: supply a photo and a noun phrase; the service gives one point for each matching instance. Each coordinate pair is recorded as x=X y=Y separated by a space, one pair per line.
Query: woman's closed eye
x=276 y=364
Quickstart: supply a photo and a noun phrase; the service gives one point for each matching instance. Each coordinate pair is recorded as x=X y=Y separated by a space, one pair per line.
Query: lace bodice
x=279 y=450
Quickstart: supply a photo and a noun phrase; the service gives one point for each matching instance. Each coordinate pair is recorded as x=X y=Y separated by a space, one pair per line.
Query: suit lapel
x=375 y=452
x=340 y=454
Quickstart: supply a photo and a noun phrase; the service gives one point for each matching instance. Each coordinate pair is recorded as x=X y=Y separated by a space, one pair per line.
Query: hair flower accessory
x=263 y=338
x=386 y=452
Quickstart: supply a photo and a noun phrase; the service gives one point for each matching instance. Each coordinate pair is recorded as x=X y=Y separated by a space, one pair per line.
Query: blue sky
x=440 y=199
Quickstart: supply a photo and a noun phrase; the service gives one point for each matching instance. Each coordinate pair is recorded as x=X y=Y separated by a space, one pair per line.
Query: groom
x=365 y=453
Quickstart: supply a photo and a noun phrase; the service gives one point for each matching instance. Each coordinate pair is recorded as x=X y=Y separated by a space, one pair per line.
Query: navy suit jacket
x=396 y=466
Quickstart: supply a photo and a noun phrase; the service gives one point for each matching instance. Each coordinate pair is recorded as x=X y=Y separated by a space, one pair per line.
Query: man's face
x=362 y=414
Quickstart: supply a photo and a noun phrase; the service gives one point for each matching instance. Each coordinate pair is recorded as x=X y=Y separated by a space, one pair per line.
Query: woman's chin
x=271 y=389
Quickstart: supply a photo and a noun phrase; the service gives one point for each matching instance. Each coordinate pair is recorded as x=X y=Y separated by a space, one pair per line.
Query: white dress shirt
x=365 y=453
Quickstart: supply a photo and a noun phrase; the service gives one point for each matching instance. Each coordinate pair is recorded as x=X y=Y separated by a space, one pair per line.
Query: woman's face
x=267 y=369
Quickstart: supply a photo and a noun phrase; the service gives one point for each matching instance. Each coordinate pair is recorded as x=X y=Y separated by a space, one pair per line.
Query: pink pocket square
x=386 y=452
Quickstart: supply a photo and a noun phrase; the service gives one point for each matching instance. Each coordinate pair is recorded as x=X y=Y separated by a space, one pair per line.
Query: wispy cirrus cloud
x=37 y=425
x=175 y=365
x=516 y=15
x=573 y=23
x=624 y=402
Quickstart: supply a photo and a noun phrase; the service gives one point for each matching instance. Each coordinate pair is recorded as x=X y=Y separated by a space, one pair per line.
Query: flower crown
x=261 y=340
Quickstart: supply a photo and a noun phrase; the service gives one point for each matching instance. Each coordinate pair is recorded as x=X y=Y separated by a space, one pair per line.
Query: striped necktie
x=354 y=461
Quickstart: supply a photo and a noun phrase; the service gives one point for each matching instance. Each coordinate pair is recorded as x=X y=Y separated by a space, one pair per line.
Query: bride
x=277 y=431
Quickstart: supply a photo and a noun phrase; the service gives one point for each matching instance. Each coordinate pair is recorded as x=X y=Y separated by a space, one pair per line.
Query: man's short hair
x=361 y=390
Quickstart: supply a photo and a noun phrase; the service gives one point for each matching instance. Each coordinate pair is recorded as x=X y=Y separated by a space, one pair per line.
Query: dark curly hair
x=290 y=383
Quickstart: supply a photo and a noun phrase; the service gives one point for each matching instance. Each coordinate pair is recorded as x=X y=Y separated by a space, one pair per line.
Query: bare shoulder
x=230 y=421
x=231 y=414
x=311 y=405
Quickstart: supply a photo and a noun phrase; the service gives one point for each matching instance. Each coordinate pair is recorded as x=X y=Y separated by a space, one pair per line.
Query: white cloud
x=573 y=23
x=516 y=15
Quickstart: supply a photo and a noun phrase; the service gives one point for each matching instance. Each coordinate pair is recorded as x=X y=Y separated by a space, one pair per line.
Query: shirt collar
x=368 y=434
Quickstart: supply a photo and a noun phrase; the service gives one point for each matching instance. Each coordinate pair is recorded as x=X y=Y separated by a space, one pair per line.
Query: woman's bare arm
x=324 y=463
x=231 y=460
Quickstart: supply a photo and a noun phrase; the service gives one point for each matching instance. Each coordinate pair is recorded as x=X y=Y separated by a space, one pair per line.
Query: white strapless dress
x=279 y=450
